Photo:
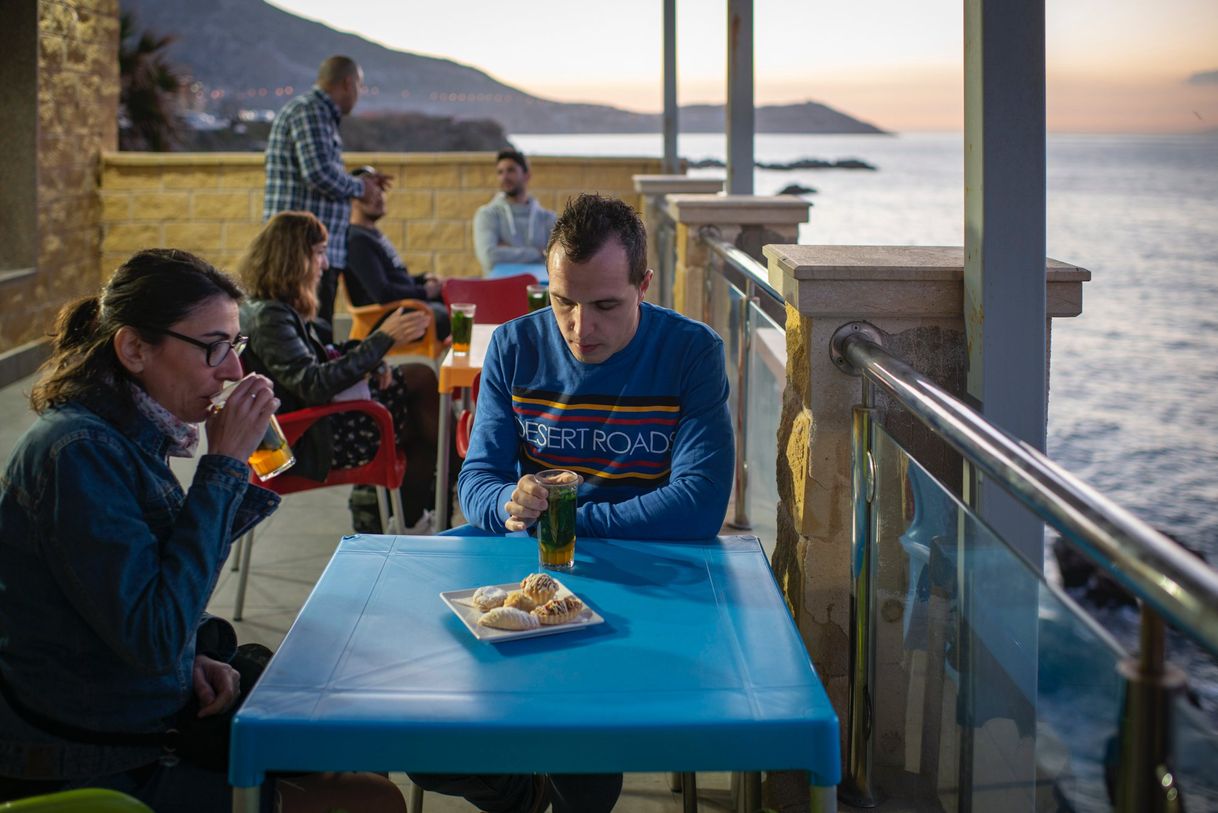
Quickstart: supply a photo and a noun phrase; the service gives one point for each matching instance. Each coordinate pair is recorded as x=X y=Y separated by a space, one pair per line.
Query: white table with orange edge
x=457 y=372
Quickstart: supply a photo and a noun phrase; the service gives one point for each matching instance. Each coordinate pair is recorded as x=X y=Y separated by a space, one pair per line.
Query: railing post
x=1145 y=782
x=857 y=786
x=740 y=515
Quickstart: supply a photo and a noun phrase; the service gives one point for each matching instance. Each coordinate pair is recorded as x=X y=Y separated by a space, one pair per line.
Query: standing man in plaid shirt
x=304 y=165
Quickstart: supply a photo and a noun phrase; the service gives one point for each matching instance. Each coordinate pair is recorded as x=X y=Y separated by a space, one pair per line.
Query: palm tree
x=149 y=86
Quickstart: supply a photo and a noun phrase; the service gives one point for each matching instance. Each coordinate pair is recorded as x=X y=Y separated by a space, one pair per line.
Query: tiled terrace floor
x=289 y=553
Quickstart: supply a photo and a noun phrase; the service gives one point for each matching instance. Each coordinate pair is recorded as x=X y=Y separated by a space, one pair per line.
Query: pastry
x=559 y=610
x=488 y=598
x=508 y=618
x=541 y=587
x=520 y=600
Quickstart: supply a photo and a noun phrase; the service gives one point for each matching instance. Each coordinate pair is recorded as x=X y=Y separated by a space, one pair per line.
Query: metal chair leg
x=382 y=508
x=416 y=799
x=245 y=546
x=689 y=793
x=395 y=497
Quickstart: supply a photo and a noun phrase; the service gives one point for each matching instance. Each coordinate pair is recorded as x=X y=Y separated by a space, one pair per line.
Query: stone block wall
x=211 y=203
x=77 y=87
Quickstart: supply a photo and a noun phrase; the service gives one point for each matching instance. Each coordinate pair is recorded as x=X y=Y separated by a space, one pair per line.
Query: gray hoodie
x=507 y=232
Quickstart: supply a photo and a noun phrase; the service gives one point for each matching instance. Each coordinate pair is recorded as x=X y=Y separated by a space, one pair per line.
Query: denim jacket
x=106 y=567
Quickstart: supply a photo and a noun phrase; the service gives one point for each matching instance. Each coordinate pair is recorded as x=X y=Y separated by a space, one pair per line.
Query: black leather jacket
x=286 y=349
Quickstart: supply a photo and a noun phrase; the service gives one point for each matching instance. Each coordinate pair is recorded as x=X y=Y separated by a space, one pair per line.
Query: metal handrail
x=1151 y=566
x=742 y=270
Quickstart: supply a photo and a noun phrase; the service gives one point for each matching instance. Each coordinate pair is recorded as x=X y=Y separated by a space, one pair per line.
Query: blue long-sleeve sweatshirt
x=648 y=428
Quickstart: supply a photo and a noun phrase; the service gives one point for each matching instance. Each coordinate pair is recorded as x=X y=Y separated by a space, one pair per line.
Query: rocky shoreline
x=802 y=163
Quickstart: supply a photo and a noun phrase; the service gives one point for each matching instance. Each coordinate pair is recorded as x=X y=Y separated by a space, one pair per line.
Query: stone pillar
x=915 y=296
x=653 y=189
x=59 y=60
x=747 y=221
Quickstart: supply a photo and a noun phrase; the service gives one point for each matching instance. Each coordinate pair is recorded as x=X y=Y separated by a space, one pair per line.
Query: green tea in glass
x=539 y=297
x=556 y=525
x=462 y=326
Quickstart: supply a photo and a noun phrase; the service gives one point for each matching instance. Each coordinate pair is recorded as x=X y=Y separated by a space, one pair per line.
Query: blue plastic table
x=538 y=270
x=698 y=666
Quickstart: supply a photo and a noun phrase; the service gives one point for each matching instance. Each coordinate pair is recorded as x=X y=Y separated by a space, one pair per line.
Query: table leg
x=443 y=450
x=748 y=785
x=689 y=793
x=824 y=799
x=247 y=800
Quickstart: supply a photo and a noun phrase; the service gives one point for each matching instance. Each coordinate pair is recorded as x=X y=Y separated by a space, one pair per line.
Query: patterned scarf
x=183 y=437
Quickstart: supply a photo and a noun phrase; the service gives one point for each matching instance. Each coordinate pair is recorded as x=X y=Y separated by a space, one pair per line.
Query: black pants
x=196 y=782
x=412 y=401
x=513 y=793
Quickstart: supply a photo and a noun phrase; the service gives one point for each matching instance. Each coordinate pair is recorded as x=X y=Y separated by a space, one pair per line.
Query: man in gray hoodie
x=512 y=228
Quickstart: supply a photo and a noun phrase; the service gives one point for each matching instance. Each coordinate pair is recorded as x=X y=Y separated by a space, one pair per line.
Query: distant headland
x=247 y=55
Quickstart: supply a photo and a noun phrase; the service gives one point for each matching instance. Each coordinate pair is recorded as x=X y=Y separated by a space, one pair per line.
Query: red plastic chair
x=465 y=420
x=498 y=300
x=385 y=471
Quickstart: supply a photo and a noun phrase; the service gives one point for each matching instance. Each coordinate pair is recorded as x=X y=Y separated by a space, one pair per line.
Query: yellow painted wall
x=211 y=203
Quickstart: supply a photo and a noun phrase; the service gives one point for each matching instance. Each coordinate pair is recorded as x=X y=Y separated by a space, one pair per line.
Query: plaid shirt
x=304 y=168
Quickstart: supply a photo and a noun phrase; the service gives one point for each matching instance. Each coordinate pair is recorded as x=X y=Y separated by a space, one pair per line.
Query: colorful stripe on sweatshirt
x=612 y=440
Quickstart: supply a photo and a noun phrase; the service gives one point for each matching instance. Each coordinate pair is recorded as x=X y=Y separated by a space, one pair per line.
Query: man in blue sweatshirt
x=512 y=227
x=631 y=396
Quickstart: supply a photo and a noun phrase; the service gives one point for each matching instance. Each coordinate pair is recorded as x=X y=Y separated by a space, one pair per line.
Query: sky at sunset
x=1113 y=65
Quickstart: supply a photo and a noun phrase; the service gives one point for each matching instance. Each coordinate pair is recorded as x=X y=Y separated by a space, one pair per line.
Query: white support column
x=671 y=110
x=739 y=113
x=1004 y=234
x=1004 y=317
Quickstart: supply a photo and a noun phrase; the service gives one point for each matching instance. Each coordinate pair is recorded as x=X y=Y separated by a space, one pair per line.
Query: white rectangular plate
x=459 y=602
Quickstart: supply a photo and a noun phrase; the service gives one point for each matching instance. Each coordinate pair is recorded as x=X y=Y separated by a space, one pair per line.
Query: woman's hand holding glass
x=238 y=428
x=405 y=325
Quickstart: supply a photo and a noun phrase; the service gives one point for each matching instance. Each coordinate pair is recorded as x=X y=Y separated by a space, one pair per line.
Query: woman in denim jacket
x=106 y=565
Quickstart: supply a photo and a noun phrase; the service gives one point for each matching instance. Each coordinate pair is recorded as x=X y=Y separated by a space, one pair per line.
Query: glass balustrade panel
x=723 y=314
x=767 y=377
x=993 y=690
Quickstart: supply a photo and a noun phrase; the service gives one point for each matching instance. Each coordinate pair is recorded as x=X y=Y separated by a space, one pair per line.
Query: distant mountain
x=249 y=48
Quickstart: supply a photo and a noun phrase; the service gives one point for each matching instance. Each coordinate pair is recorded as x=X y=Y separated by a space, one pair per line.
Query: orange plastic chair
x=385 y=471
x=498 y=300
x=364 y=319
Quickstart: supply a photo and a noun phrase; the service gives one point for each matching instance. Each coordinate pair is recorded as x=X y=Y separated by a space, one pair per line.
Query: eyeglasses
x=217 y=351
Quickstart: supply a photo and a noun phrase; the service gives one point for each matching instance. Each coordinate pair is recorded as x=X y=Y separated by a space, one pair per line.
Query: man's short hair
x=587 y=223
x=513 y=155
x=335 y=69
